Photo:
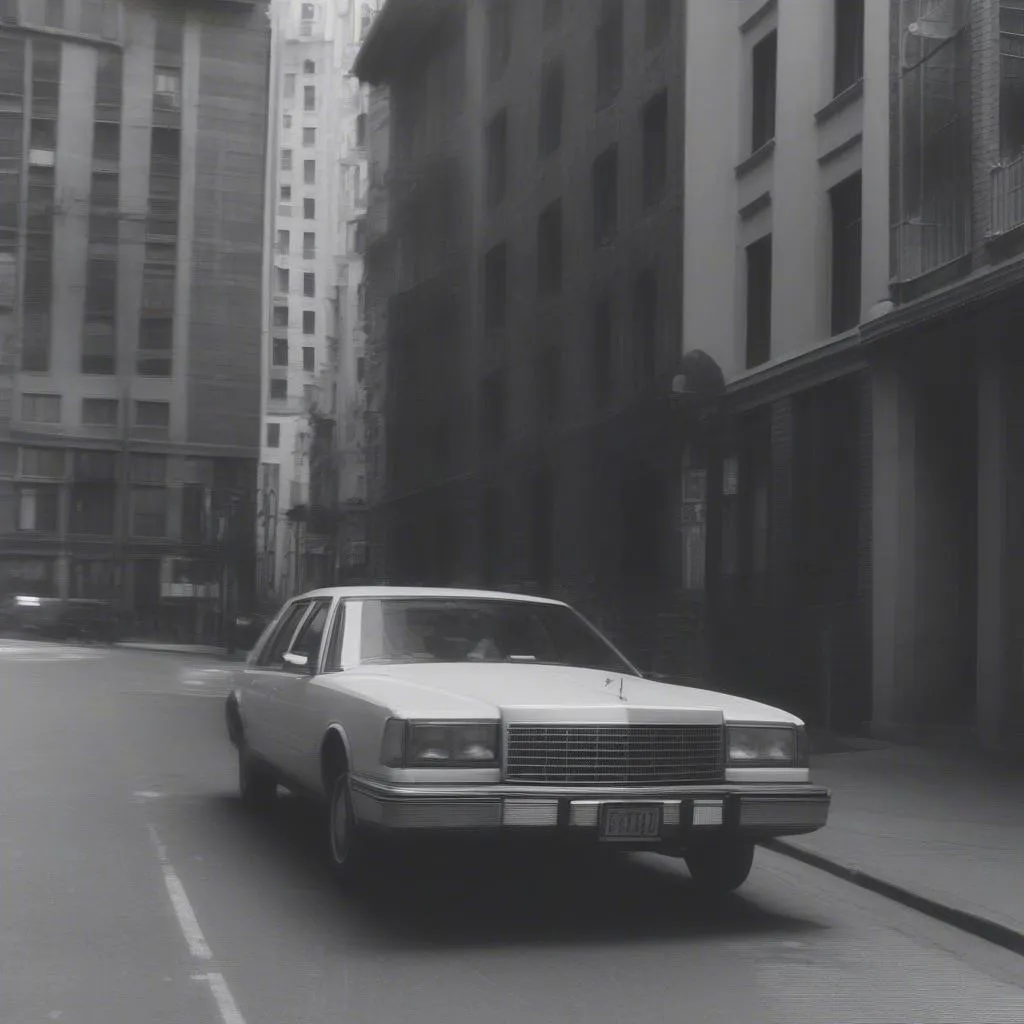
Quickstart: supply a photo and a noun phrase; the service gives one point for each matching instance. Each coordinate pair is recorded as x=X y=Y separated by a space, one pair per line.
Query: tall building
x=316 y=199
x=864 y=523
x=535 y=221
x=749 y=392
x=132 y=140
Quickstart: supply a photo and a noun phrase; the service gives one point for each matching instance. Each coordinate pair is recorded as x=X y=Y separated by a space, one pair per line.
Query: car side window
x=311 y=634
x=273 y=654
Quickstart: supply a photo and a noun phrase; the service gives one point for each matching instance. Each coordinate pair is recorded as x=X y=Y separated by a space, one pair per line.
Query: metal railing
x=1007 y=195
x=923 y=244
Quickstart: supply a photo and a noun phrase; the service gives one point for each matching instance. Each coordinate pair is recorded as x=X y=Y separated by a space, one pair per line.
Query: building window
x=499 y=35
x=53 y=16
x=93 y=504
x=309 y=359
x=645 y=326
x=38 y=507
x=763 y=65
x=283 y=242
x=309 y=172
x=1011 y=79
x=47 y=463
x=936 y=173
x=278 y=389
x=286 y=193
x=156 y=341
x=309 y=67
x=845 y=201
x=40 y=408
x=281 y=316
x=289 y=87
x=308 y=321
x=849 y=43
x=149 y=512
x=552 y=13
x=608 y=52
x=155 y=416
x=309 y=245
x=552 y=99
x=309 y=285
x=549 y=248
x=759 y=301
x=495 y=286
x=655 y=154
x=361 y=130
x=356 y=235
x=281 y=280
x=99 y=344
x=309 y=208
x=605 y=189
x=280 y=354
x=309 y=136
x=496 y=148
x=286 y=120
x=657 y=21
x=602 y=353
x=273 y=435
x=148 y=469
x=167 y=89
x=286 y=159
x=309 y=97
x=99 y=412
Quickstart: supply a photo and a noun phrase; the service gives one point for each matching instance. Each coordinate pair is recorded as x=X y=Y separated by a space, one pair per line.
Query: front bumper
x=754 y=811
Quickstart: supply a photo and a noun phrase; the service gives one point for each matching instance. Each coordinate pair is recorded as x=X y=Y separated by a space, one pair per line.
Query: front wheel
x=720 y=867
x=347 y=843
x=256 y=785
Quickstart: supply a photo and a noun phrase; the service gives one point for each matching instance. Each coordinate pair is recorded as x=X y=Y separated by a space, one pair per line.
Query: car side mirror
x=296 y=660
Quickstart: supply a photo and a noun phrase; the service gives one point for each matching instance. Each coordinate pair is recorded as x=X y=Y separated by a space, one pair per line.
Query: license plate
x=637 y=822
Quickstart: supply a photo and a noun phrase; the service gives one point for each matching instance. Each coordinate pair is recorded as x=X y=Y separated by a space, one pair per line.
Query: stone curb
x=975 y=924
x=204 y=651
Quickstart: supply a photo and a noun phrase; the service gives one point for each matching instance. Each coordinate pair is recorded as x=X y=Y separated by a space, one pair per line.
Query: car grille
x=614 y=755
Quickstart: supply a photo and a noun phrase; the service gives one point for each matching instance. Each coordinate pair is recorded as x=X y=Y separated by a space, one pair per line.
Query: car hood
x=548 y=693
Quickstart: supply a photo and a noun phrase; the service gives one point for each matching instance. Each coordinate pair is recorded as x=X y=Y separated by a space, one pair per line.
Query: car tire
x=720 y=867
x=346 y=841
x=256 y=784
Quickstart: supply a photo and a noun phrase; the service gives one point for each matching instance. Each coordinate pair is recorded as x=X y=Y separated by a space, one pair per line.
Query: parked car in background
x=415 y=712
x=55 y=618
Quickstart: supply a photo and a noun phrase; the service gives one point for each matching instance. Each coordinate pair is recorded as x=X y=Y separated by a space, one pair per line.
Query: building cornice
x=963 y=294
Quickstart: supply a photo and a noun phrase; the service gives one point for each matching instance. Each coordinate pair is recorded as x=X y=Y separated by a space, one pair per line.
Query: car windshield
x=403 y=630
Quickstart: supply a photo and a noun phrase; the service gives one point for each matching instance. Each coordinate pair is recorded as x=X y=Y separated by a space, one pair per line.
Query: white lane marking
x=226 y=1004
x=187 y=919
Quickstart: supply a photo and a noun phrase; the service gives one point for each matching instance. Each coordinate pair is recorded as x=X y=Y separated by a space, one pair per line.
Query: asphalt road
x=136 y=890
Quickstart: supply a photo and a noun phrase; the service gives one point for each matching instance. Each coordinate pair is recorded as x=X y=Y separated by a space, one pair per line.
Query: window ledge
x=840 y=101
x=756 y=159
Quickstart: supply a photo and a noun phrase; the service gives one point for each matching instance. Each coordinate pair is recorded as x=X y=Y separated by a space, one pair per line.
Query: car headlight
x=763 y=746
x=409 y=744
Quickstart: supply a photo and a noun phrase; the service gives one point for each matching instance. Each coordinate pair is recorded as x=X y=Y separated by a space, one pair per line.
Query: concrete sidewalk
x=941 y=830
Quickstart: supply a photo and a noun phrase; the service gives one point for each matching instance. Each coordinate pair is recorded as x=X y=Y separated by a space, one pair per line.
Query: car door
x=260 y=679
x=292 y=689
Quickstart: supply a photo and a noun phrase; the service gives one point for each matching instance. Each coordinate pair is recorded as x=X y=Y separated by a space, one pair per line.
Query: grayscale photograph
x=509 y=511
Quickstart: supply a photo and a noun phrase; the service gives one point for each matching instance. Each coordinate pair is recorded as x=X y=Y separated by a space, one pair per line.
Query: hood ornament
x=622 y=682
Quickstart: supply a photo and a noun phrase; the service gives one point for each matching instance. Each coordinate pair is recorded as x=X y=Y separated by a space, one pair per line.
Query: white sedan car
x=415 y=712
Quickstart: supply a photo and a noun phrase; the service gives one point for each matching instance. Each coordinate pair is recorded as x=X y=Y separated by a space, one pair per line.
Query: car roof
x=428 y=592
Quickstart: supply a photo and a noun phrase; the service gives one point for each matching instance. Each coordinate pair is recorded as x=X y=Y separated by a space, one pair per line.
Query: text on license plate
x=638 y=822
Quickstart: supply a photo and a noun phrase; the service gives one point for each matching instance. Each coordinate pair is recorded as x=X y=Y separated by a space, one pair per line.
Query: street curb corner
x=975 y=924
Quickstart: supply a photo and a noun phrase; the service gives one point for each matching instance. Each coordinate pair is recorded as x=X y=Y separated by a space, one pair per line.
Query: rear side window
x=273 y=653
